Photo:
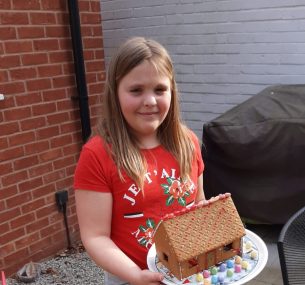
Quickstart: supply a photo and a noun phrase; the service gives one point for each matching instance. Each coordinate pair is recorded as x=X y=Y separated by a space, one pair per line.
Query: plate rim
x=259 y=243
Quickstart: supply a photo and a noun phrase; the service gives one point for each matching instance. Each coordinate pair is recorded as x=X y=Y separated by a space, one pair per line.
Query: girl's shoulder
x=97 y=145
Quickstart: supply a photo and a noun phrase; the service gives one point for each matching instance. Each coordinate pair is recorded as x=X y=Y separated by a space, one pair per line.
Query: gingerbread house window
x=228 y=247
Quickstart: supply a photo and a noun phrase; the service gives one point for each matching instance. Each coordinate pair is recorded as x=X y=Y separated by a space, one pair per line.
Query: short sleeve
x=198 y=154
x=92 y=172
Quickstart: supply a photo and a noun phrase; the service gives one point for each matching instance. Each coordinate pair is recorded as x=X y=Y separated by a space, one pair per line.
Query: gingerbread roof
x=203 y=228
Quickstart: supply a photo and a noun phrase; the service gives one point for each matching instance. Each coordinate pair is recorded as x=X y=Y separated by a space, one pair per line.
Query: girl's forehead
x=146 y=70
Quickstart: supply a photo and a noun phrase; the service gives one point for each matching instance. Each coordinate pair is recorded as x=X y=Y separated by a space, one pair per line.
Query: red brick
x=63 y=81
x=16 y=255
x=69 y=127
x=54 y=176
x=64 y=162
x=95 y=6
x=57 y=118
x=61 y=141
x=18 y=200
x=4 y=228
x=30 y=32
x=65 y=44
x=72 y=149
x=30 y=124
x=57 y=31
x=33 y=206
x=9 y=61
x=17 y=114
x=96 y=88
x=38 y=84
x=15 y=176
x=40 y=169
x=50 y=155
x=6 y=216
x=43 y=109
x=36 y=147
x=41 y=244
x=68 y=68
x=26 y=241
x=34 y=59
x=51 y=229
x=50 y=70
x=54 y=5
x=28 y=98
x=61 y=56
x=26 y=5
x=11 y=153
x=62 y=19
x=18 y=46
x=46 y=44
x=44 y=191
x=8 y=192
x=21 y=138
x=47 y=132
x=7 y=249
x=64 y=183
x=54 y=95
x=8 y=128
x=3 y=76
x=65 y=105
x=22 y=220
x=12 y=88
x=45 y=211
x=25 y=162
x=43 y=18
x=84 y=6
x=12 y=235
x=37 y=225
x=90 y=18
x=14 y=18
x=5 y=5
x=30 y=184
x=3 y=144
x=94 y=65
x=23 y=73
x=92 y=43
x=7 y=33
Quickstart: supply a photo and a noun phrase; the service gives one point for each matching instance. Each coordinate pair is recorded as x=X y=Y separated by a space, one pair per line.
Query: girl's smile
x=145 y=97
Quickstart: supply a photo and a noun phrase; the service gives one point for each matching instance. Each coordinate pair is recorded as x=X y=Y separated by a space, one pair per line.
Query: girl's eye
x=161 y=90
x=135 y=91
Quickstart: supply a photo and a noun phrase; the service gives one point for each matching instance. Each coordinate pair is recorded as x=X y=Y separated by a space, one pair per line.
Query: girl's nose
x=150 y=100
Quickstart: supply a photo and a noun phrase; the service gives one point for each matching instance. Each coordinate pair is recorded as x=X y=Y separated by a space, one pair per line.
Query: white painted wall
x=224 y=51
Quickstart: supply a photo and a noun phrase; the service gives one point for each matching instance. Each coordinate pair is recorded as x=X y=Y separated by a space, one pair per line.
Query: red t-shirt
x=135 y=214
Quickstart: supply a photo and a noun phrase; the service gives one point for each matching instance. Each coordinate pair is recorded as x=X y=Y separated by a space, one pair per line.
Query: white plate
x=256 y=266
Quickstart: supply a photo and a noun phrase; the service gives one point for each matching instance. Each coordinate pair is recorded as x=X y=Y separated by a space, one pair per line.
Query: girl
x=143 y=163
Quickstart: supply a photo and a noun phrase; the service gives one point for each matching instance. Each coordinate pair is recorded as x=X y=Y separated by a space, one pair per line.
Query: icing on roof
x=203 y=228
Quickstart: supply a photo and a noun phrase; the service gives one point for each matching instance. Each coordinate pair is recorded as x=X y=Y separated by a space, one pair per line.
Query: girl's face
x=145 y=97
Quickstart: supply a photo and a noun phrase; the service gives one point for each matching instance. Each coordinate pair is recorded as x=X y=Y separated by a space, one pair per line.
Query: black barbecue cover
x=256 y=151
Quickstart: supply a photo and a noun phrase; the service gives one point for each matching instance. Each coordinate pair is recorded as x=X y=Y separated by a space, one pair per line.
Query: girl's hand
x=147 y=277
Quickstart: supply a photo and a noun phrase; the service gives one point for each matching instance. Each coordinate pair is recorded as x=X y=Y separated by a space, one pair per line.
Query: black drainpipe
x=79 y=69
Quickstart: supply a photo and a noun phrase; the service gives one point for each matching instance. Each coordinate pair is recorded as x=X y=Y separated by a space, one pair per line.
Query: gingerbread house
x=195 y=239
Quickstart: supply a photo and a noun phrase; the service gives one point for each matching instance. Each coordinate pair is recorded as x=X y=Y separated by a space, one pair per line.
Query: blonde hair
x=172 y=134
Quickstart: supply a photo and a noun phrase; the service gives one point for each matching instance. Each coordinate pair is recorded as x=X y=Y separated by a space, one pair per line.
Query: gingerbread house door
x=210 y=258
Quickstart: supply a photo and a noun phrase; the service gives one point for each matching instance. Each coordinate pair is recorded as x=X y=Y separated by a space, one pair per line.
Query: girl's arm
x=94 y=211
x=200 y=193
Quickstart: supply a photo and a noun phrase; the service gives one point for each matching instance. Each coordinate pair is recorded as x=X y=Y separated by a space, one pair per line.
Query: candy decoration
x=230 y=273
x=230 y=263
x=245 y=264
x=206 y=273
x=214 y=279
x=254 y=254
x=223 y=267
x=199 y=277
x=237 y=268
x=214 y=270
x=238 y=259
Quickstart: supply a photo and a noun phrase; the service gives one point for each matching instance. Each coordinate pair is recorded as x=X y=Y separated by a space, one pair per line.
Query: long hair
x=172 y=133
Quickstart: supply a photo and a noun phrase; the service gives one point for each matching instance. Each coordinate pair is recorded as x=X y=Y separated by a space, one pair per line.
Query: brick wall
x=40 y=133
x=224 y=51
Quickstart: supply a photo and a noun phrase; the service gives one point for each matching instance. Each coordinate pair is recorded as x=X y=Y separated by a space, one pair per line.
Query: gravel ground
x=72 y=267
